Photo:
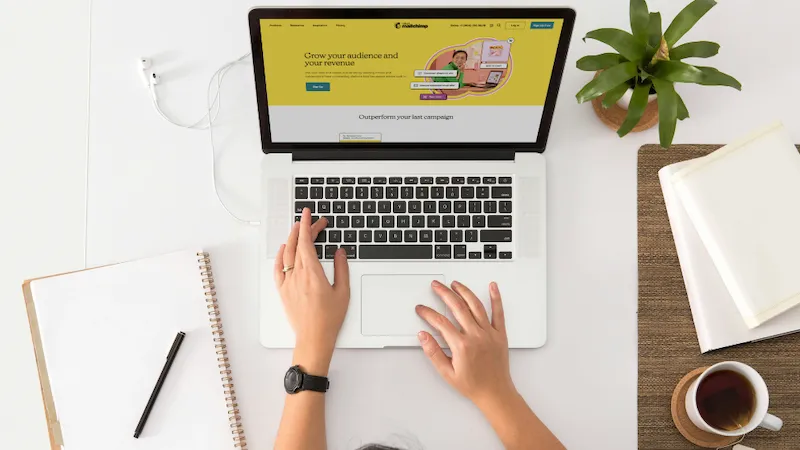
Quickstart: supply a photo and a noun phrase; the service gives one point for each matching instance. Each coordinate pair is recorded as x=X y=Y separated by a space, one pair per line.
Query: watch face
x=292 y=380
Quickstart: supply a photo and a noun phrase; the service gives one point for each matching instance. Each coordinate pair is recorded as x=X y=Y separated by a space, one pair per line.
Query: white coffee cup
x=760 y=417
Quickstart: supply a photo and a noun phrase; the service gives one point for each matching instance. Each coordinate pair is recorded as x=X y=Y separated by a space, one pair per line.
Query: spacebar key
x=395 y=252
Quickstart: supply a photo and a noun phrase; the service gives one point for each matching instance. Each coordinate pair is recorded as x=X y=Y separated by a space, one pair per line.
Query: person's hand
x=479 y=367
x=314 y=307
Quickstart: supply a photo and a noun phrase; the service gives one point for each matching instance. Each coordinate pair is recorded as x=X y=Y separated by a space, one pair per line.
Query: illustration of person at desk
x=457 y=64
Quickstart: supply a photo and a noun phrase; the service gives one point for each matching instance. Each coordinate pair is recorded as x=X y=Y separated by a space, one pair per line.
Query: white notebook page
x=105 y=335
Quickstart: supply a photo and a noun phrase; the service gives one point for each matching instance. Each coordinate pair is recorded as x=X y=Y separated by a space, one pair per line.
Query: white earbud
x=144 y=70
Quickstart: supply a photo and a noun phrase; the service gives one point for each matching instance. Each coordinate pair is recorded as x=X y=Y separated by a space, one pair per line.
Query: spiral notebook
x=101 y=337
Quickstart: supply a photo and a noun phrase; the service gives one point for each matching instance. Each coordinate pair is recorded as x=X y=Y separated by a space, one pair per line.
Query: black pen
x=173 y=352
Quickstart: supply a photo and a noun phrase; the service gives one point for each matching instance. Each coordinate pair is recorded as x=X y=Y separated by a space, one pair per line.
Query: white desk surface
x=149 y=192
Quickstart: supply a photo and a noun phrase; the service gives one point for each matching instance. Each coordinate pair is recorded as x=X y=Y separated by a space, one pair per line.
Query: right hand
x=479 y=367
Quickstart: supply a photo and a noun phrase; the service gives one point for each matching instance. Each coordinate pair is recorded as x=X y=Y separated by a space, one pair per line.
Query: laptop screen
x=407 y=81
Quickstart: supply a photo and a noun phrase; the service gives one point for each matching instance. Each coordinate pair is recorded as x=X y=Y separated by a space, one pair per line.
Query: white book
x=102 y=337
x=716 y=319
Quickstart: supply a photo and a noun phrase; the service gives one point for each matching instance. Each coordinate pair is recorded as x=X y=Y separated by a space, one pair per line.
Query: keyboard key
x=358 y=221
x=318 y=180
x=379 y=180
x=410 y=180
x=426 y=180
x=407 y=192
x=301 y=180
x=505 y=255
x=459 y=207
x=364 y=180
x=467 y=192
x=339 y=207
x=495 y=235
x=442 y=180
x=314 y=219
x=490 y=206
x=373 y=221
x=474 y=180
x=316 y=192
x=490 y=251
x=443 y=252
x=460 y=251
x=433 y=221
x=331 y=222
x=445 y=206
x=392 y=192
x=376 y=193
x=335 y=236
x=350 y=251
x=353 y=207
x=381 y=235
x=422 y=192
x=426 y=236
x=472 y=236
x=499 y=222
x=449 y=221
x=350 y=235
x=456 y=236
x=418 y=221
x=505 y=180
x=333 y=180
x=387 y=221
x=362 y=192
x=324 y=207
x=330 y=251
x=414 y=207
x=301 y=193
x=398 y=207
x=384 y=207
x=331 y=192
x=403 y=221
x=348 y=180
x=395 y=251
x=410 y=236
x=475 y=207
x=501 y=192
x=489 y=180
x=395 y=236
x=505 y=207
x=457 y=180
x=478 y=221
x=298 y=206
x=343 y=222
x=437 y=192
x=483 y=192
x=297 y=218
x=451 y=192
x=429 y=207
x=365 y=236
x=318 y=248
x=347 y=192
x=463 y=221
x=474 y=255
x=395 y=180
x=322 y=237
x=370 y=206
x=440 y=235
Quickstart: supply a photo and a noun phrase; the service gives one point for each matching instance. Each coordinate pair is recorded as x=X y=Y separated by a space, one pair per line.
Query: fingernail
x=493 y=286
x=422 y=337
x=455 y=283
x=341 y=252
x=435 y=283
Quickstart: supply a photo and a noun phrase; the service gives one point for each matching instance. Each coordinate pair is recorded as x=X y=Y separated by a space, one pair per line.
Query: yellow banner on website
x=433 y=62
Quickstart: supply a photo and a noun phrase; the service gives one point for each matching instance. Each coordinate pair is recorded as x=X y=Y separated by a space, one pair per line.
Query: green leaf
x=680 y=72
x=654 y=30
x=667 y=111
x=635 y=109
x=686 y=19
x=608 y=79
x=683 y=113
x=621 y=41
x=615 y=94
x=599 y=62
x=700 y=49
x=640 y=17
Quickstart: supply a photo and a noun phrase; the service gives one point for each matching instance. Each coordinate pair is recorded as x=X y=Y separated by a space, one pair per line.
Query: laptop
x=493 y=79
x=416 y=184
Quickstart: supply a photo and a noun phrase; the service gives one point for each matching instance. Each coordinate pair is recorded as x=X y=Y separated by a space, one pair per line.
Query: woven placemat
x=668 y=347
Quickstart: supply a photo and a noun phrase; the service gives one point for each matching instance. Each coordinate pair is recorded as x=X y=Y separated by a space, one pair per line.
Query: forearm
x=516 y=425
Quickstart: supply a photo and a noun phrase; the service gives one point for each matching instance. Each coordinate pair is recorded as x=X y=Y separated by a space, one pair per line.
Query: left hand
x=315 y=308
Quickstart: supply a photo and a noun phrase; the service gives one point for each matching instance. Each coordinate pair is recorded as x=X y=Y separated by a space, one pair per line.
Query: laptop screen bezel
x=257 y=14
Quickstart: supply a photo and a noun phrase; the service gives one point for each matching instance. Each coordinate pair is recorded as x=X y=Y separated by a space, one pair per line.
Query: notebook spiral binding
x=234 y=418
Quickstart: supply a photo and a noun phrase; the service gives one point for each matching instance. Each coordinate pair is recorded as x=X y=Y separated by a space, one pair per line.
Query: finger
x=306 y=255
x=291 y=246
x=341 y=272
x=439 y=323
x=475 y=305
x=457 y=305
x=441 y=362
x=318 y=226
x=277 y=271
x=498 y=315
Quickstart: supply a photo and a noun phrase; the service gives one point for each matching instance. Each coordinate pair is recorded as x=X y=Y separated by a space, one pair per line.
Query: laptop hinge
x=412 y=154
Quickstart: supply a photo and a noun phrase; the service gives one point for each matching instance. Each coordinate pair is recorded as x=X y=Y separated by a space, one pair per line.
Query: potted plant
x=648 y=62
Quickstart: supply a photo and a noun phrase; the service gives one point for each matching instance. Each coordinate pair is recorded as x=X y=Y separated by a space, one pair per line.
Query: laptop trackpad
x=388 y=301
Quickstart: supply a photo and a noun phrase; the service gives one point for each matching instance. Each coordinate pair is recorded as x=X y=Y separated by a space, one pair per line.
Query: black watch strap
x=316 y=384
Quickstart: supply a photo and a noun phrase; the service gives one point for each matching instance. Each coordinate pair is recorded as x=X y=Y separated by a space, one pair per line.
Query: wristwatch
x=296 y=380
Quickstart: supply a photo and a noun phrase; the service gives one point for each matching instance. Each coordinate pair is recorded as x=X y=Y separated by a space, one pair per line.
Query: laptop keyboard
x=410 y=218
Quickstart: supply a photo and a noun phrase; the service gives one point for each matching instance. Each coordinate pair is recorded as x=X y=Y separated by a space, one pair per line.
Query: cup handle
x=772 y=423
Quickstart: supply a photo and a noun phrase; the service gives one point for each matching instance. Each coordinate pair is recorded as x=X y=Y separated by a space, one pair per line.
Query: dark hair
x=460 y=51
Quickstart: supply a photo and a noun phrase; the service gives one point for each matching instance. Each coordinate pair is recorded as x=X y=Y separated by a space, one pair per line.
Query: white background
x=149 y=192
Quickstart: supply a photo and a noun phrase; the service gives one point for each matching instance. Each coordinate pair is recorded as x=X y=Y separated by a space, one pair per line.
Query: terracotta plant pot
x=615 y=115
